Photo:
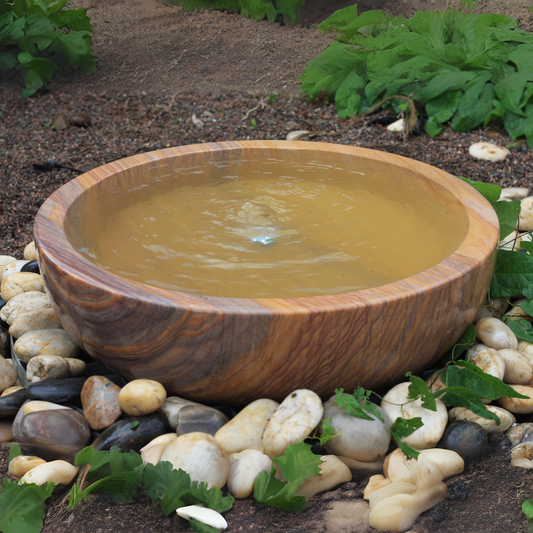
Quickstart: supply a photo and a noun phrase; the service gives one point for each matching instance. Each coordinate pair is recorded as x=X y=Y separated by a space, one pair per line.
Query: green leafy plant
x=254 y=9
x=36 y=36
x=253 y=124
x=467 y=69
x=527 y=508
x=297 y=464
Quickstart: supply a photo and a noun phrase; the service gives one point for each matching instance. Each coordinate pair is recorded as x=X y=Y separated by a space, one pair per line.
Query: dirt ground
x=143 y=45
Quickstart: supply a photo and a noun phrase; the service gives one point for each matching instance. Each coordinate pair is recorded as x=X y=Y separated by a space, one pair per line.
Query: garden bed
x=158 y=66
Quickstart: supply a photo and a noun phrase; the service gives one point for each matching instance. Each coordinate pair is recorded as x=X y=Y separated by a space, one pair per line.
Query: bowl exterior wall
x=234 y=350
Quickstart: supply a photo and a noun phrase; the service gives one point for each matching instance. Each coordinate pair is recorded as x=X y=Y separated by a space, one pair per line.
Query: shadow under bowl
x=235 y=350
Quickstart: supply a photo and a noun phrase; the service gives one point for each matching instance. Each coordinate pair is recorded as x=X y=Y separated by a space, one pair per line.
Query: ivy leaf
x=200 y=527
x=297 y=464
x=402 y=428
x=507 y=215
x=115 y=473
x=327 y=432
x=467 y=339
x=15 y=451
x=512 y=275
x=527 y=508
x=419 y=389
x=527 y=307
x=200 y=494
x=490 y=191
x=457 y=396
x=357 y=403
x=22 y=506
x=468 y=375
x=166 y=484
x=522 y=329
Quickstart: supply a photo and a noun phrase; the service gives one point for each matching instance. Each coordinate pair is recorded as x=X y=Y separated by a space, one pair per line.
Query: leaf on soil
x=22 y=506
x=297 y=464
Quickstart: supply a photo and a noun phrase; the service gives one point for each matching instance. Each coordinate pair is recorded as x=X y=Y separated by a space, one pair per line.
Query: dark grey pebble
x=5 y=343
x=56 y=390
x=466 y=438
x=10 y=404
x=31 y=266
x=193 y=418
x=132 y=433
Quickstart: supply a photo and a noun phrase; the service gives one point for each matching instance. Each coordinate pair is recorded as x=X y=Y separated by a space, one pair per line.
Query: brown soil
x=177 y=57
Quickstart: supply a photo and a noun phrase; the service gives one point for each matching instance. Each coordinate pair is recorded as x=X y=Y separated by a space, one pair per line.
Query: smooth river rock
x=11 y=268
x=56 y=390
x=245 y=430
x=132 y=433
x=359 y=439
x=245 y=466
x=200 y=455
x=294 y=420
x=31 y=266
x=152 y=452
x=496 y=334
x=333 y=472
x=518 y=367
x=199 y=418
x=525 y=219
x=466 y=438
x=8 y=375
x=46 y=342
x=434 y=421
x=30 y=252
x=142 y=397
x=51 y=434
x=24 y=302
x=519 y=405
x=43 y=318
x=171 y=408
x=5 y=343
x=22 y=464
x=10 y=404
x=520 y=433
x=490 y=426
x=44 y=367
x=5 y=259
x=99 y=399
x=20 y=282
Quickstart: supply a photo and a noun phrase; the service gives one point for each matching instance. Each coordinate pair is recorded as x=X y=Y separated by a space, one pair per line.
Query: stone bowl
x=235 y=350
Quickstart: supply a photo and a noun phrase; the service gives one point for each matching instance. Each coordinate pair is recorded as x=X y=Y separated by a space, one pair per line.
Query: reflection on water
x=274 y=229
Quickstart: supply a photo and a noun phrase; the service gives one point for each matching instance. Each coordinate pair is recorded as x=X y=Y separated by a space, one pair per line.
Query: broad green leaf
x=490 y=191
x=512 y=275
x=73 y=19
x=74 y=48
x=507 y=216
x=432 y=127
x=166 y=484
x=357 y=403
x=527 y=506
x=510 y=91
x=527 y=307
x=522 y=329
x=419 y=389
x=200 y=527
x=402 y=428
x=527 y=245
x=460 y=396
x=340 y=18
x=473 y=107
x=200 y=494
x=33 y=83
x=495 y=114
x=22 y=506
x=444 y=106
x=448 y=81
x=347 y=98
x=297 y=464
x=468 y=375
x=14 y=451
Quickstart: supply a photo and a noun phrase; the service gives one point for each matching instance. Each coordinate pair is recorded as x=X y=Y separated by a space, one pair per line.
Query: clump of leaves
x=253 y=9
x=468 y=69
x=36 y=36
x=297 y=464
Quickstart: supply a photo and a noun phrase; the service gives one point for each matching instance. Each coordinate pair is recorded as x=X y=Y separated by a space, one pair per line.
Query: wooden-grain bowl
x=214 y=349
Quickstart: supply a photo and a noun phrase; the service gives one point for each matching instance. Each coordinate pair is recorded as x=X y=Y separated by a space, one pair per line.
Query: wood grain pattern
x=216 y=350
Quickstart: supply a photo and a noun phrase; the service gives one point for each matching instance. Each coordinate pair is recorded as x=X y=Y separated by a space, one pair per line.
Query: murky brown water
x=270 y=229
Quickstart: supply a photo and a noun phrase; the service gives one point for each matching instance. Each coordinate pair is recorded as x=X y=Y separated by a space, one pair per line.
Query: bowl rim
x=477 y=247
